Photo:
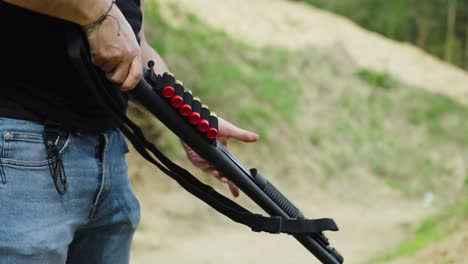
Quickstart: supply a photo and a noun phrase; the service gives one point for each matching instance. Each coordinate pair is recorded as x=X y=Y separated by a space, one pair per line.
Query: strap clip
x=51 y=136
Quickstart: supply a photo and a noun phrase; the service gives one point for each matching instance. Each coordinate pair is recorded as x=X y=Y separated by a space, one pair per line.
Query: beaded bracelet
x=99 y=21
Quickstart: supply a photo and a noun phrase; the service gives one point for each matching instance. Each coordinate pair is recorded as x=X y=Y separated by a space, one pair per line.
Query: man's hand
x=225 y=132
x=115 y=50
x=114 y=47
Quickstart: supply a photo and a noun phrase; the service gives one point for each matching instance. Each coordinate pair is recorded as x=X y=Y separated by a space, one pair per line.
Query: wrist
x=91 y=26
x=94 y=11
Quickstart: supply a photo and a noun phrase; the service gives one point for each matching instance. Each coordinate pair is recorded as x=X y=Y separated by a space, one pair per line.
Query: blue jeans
x=93 y=222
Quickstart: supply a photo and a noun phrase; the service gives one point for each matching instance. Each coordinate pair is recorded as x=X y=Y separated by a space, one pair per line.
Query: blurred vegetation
x=437 y=26
x=431 y=230
x=357 y=121
x=245 y=83
x=325 y=124
x=377 y=79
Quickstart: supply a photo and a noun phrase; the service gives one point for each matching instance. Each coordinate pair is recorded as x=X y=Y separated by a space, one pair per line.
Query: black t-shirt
x=37 y=81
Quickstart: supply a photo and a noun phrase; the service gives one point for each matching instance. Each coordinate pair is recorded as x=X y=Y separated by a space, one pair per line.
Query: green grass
x=431 y=230
x=377 y=79
x=231 y=77
x=364 y=121
x=440 y=116
x=396 y=135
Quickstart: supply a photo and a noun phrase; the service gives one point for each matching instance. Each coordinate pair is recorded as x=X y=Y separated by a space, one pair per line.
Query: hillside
x=296 y=25
x=355 y=144
x=449 y=250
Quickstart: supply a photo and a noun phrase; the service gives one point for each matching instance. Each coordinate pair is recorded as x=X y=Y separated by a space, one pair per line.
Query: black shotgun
x=250 y=181
x=155 y=93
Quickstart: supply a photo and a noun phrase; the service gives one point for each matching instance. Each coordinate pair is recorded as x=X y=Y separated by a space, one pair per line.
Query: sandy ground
x=450 y=250
x=176 y=228
x=179 y=229
x=295 y=25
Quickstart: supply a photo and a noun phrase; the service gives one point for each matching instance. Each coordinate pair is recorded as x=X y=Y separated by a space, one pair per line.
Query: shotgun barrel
x=156 y=100
x=250 y=181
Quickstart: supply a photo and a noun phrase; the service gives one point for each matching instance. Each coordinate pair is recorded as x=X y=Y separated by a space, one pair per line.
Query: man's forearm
x=148 y=53
x=82 y=12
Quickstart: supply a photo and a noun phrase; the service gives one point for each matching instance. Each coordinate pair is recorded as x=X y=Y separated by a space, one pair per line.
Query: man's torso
x=37 y=81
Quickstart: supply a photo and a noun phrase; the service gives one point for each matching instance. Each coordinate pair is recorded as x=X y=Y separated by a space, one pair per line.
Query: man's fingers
x=230 y=130
x=218 y=175
x=115 y=49
x=204 y=166
x=119 y=73
x=198 y=161
x=108 y=65
x=134 y=75
x=234 y=189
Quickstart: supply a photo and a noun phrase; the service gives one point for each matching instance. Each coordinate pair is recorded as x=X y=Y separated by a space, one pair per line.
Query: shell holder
x=212 y=132
x=204 y=123
x=178 y=99
x=186 y=109
x=167 y=85
x=181 y=100
x=195 y=116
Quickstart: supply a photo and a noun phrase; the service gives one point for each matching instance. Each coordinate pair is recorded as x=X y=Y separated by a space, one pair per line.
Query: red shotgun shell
x=203 y=126
x=194 y=118
x=212 y=133
x=185 y=110
x=168 y=91
x=177 y=101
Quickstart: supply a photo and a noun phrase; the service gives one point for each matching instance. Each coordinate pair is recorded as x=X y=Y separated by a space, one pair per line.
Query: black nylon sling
x=275 y=224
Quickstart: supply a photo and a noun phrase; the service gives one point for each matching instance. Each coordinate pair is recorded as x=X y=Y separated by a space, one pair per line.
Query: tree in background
x=466 y=46
x=451 y=38
x=438 y=26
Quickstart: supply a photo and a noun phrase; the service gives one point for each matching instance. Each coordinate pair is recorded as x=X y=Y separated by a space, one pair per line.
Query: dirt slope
x=450 y=250
x=295 y=25
x=177 y=228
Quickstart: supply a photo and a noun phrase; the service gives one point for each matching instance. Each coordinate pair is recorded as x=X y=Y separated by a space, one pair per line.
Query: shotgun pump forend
x=183 y=115
x=195 y=124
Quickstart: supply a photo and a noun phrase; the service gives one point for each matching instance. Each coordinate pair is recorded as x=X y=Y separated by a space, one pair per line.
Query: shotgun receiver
x=186 y=117
x=160 y=102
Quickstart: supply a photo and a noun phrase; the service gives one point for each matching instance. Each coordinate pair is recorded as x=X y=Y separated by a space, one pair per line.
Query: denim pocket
x=27 y=149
